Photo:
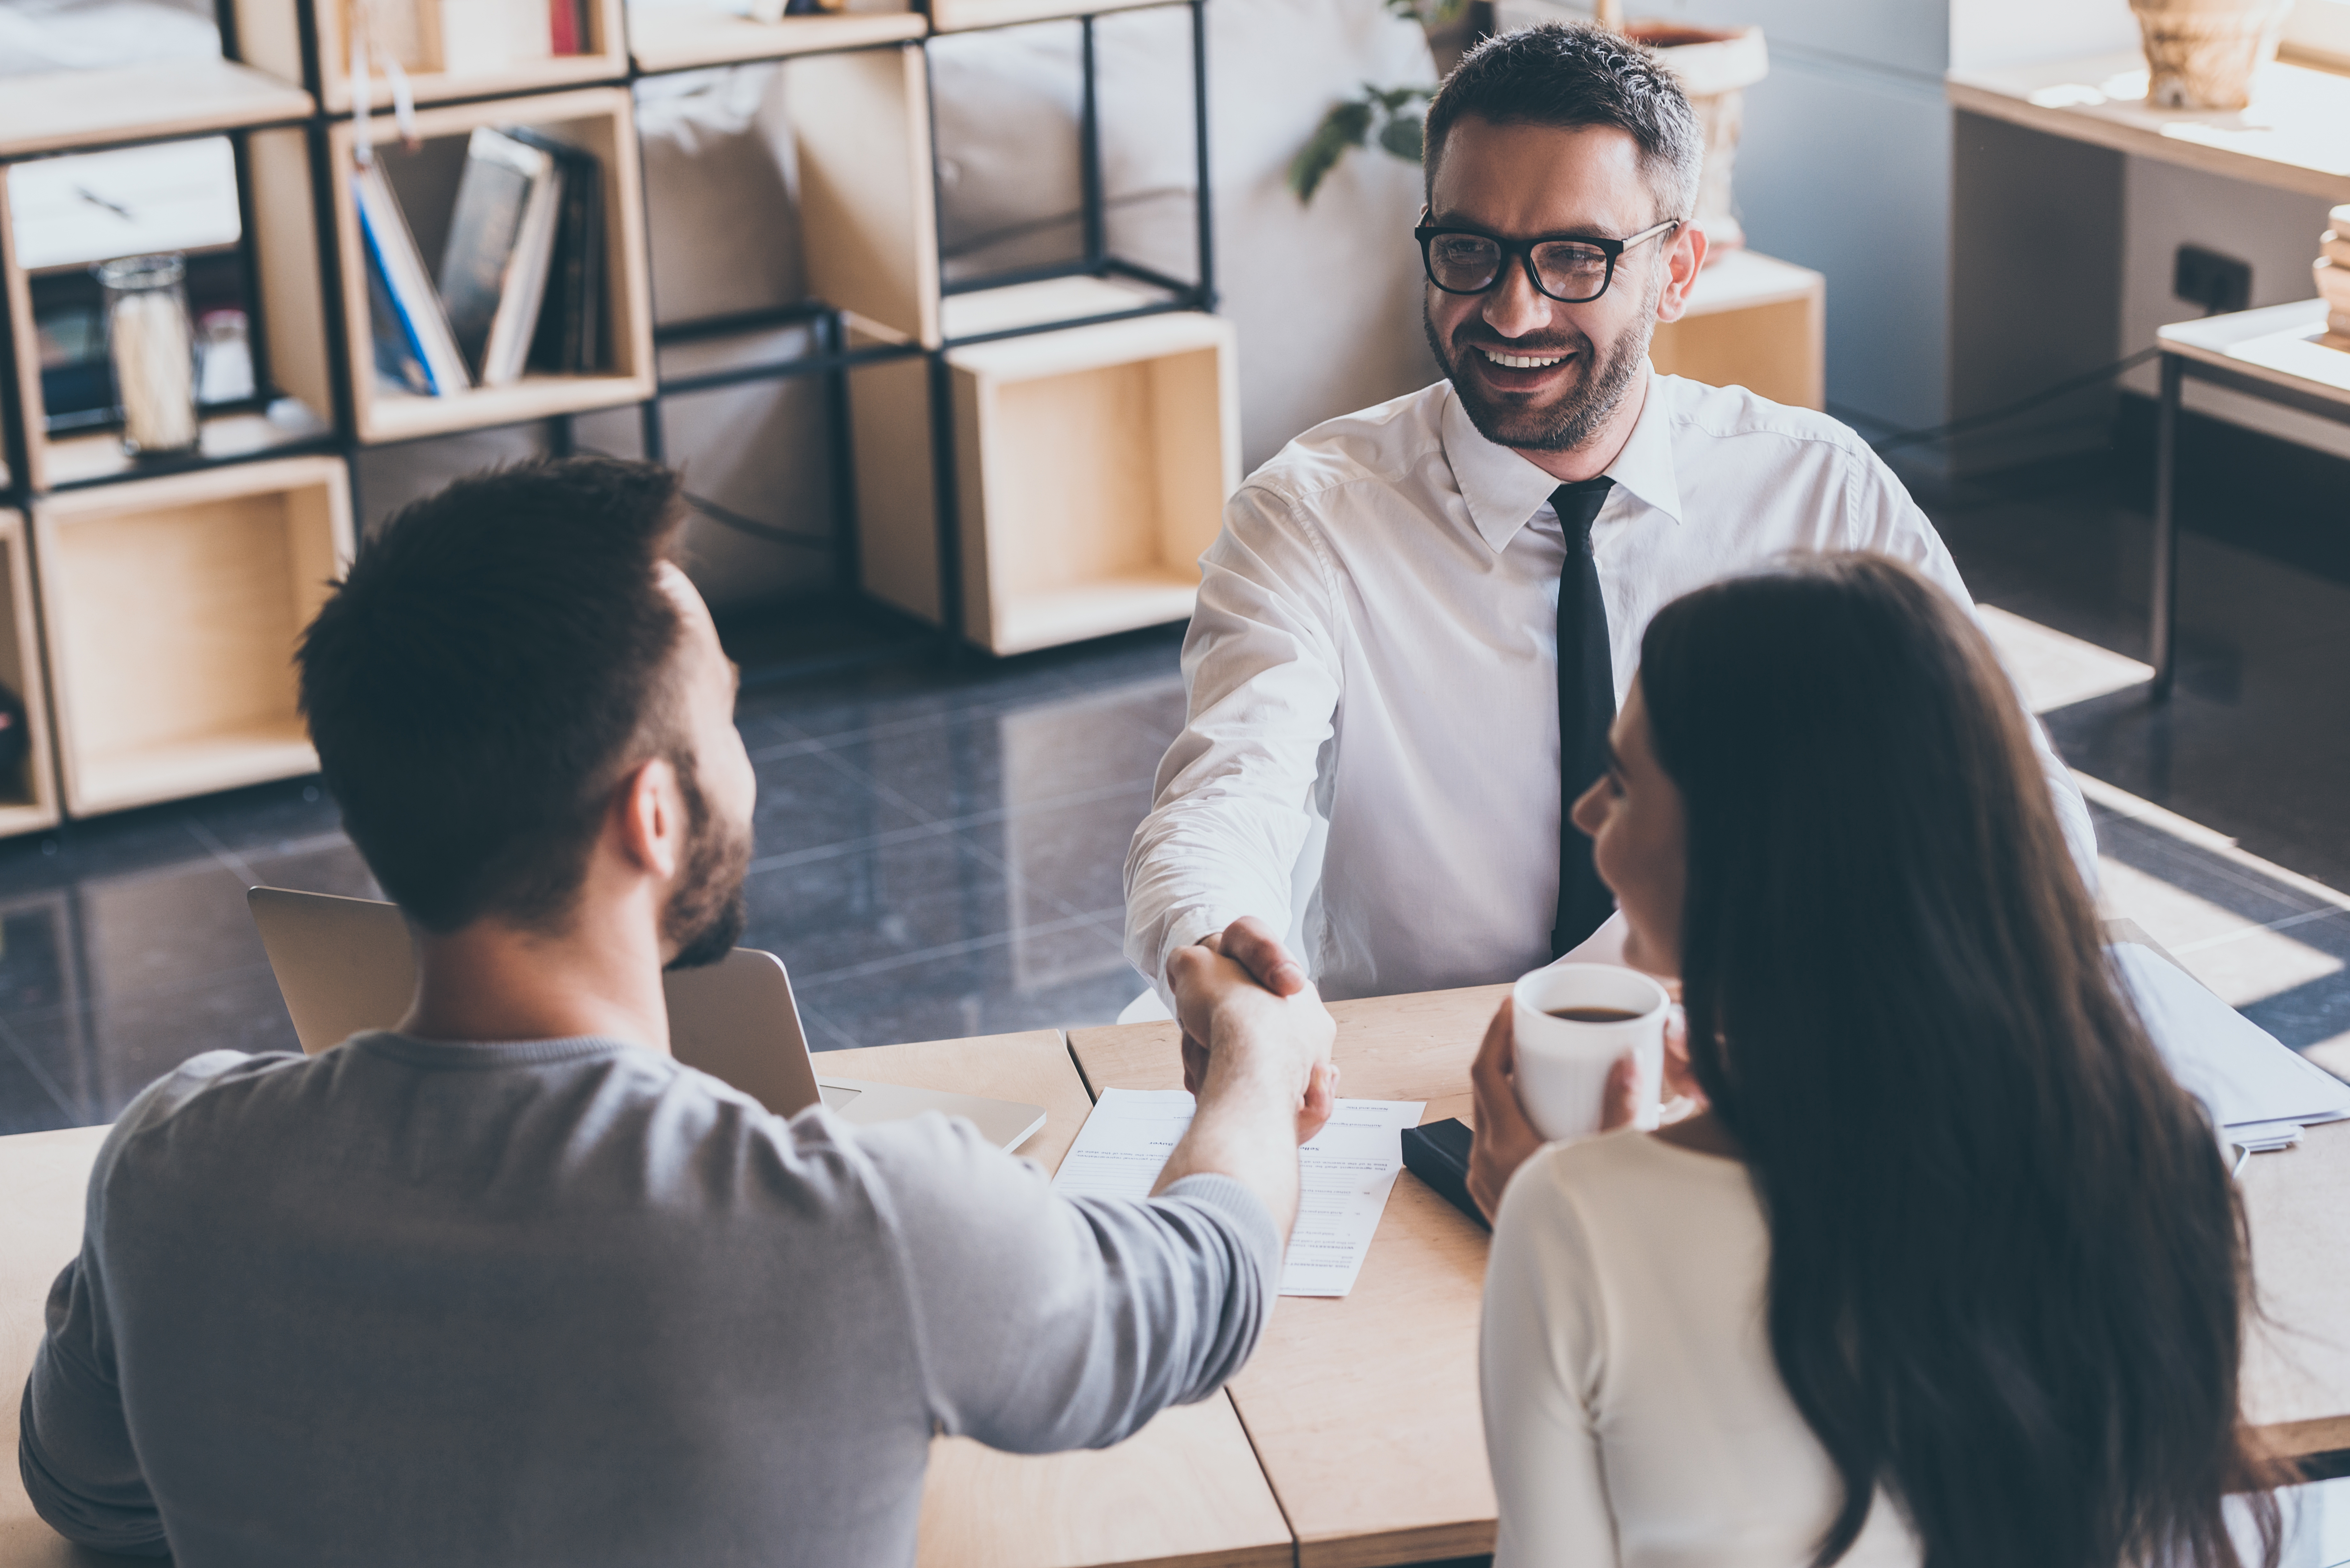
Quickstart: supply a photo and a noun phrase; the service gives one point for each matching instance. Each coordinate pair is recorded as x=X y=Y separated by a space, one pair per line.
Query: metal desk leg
x=2162 y=622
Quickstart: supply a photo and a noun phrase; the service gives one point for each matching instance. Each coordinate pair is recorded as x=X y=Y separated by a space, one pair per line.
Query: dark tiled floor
x=939 y=853
x=2256 y=740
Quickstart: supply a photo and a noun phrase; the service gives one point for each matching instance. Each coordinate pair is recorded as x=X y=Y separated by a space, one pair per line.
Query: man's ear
x=647 y=824
x=1683 y=256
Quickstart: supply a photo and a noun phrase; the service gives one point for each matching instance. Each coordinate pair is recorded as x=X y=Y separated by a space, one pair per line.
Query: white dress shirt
x=1374 y=649
x=1633 y=1414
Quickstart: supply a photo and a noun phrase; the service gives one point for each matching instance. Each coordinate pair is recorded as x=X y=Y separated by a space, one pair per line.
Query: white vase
x=2202 y=54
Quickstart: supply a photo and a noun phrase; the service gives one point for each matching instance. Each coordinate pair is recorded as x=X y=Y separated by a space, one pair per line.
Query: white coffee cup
x=1563 y=1063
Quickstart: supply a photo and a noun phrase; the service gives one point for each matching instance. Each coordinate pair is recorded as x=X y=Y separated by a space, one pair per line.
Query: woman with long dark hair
x=1950 y=1271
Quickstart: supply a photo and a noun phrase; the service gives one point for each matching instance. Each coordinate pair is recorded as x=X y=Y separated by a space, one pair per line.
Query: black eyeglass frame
x=1524 y=250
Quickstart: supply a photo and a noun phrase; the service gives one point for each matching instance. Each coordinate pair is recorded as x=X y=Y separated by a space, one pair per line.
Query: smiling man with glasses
x=1420 y=619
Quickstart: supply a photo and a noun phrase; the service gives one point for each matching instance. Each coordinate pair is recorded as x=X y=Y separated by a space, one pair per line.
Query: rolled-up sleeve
x=1230 y=813
x=1046 y=1322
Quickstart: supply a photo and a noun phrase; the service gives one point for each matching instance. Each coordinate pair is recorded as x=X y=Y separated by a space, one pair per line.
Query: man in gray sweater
x=507 y=1285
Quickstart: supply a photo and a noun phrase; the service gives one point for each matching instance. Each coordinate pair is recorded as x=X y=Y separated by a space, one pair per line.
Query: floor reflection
x=939 y=853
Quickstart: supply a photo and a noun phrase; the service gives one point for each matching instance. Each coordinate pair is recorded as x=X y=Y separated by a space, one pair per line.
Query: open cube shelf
x=171 y=607
x=598 y=121
x=868 y=207
x=286 y=289
x=28 y=793
x=1755 y=322
x=1091 y=469
x=669 y=38
x=270 y=34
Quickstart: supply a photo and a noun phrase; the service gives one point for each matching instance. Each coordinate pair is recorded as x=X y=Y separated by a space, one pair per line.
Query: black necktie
x=1586 y=706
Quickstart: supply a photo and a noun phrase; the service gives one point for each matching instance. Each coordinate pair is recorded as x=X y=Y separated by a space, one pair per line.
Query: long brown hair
x=2009 y=1270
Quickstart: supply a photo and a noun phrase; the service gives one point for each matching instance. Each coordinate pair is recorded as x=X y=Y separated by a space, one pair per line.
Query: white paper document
x=1346 y=1174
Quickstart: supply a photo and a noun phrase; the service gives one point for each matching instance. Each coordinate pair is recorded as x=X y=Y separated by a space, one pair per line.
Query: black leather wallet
x=1439 y=1155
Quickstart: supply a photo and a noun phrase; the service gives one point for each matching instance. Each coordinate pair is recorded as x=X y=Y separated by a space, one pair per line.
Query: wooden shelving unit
x=602 y=121
x=1036 y=458
x=1091 y=467
x=284 y=252
x=686 y=38
x=269 y=34
x=1755 y=322
x=869 y=204
x=60 y=111
x=171 y=607
x=29 y=800
x=964 y=15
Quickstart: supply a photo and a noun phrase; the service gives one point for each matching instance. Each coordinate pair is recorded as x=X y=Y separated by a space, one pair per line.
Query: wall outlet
x=2217 y=283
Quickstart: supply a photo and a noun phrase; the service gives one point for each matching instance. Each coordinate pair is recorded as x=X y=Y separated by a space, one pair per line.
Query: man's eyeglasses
x=1571 y=269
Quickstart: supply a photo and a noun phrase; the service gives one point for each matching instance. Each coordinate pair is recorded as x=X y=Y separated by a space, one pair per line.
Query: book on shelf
x=566 y=26
x=410 y=302
x=397 y=367
x=502 y=237
x=571 y=338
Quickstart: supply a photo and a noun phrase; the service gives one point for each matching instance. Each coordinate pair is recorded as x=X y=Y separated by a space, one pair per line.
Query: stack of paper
x=1346 y=1174
x=2260 y=1093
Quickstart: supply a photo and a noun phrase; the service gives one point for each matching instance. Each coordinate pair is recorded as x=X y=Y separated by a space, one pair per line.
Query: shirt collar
x=1503 y=489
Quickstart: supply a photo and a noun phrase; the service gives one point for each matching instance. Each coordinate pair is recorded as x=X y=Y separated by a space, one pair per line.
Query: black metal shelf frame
x=830 y=357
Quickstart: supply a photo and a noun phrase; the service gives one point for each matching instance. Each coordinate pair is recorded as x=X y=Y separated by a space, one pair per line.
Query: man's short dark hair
x=497 y=656
x=1574 y=74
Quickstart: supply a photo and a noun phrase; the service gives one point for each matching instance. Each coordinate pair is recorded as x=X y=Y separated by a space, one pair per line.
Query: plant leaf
x=1348 y=124
x=1400 y=136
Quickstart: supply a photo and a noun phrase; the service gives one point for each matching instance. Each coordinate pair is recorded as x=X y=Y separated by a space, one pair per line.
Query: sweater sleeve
x=1539 y=1359
x=1047 y=1322
x=73 y=1447
x=74 y=1450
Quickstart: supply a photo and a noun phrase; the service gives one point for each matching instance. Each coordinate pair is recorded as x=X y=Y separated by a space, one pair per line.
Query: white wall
x=1988 y=34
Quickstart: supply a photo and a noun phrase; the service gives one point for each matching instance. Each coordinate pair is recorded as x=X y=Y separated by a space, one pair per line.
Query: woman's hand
x=1505 y=1137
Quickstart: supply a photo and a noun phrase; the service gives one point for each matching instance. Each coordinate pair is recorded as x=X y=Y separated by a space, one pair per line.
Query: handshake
x=1253 y=1025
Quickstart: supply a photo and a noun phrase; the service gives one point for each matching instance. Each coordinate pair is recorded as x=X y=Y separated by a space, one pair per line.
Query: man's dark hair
x=1574 y=74
x=499 y=653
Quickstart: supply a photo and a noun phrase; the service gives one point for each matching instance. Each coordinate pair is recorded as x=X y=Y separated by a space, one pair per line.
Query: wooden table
x=1357 y=1430
x=1365 y=1410
x=1184 y=1492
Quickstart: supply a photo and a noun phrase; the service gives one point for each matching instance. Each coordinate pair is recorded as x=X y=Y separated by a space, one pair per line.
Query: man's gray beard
x=1576 y=421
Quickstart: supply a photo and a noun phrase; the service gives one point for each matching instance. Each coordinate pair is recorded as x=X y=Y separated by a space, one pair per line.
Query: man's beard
x=1577 y=417
x=707 y=913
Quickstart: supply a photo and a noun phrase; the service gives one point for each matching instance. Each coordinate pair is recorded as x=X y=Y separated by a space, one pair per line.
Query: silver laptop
x=345 y=965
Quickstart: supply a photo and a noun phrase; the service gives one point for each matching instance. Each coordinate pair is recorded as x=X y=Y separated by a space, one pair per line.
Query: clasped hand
x=1506 y=1138
x=1239 y=992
